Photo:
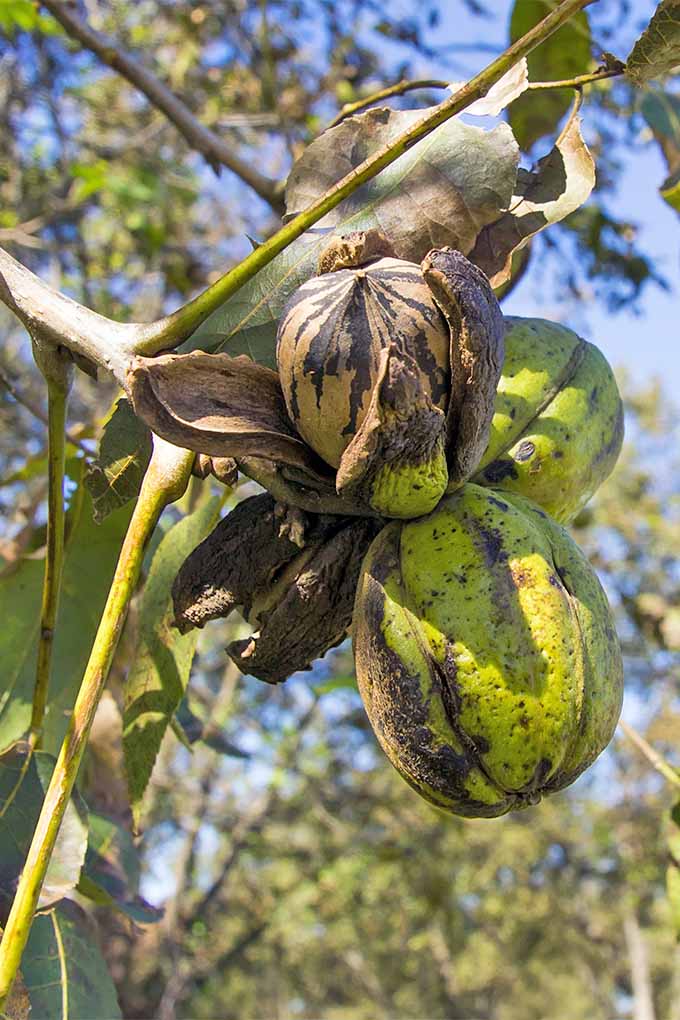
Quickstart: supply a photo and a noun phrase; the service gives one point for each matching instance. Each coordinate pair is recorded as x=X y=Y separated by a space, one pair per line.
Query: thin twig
x=386 y=93
x=165 y=481
x=653 y=757
x=36 y=411
x=404 y=86
x=217 y=151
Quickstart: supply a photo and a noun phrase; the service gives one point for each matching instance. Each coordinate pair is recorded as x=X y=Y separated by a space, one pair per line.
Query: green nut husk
x=557 y=427
x=486 y=654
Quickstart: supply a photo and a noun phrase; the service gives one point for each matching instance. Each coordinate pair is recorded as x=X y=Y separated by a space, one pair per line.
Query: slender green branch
x=165 y=481
x=653 y=757
x=177 y=327
x=21 y=398
x=387 y=93
x=403 y=86
x=54 y=559
x=601 y=74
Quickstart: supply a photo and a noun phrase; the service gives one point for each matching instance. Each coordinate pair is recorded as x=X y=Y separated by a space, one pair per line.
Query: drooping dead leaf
x=293 y=576
x=561 y=183
x=505 y=91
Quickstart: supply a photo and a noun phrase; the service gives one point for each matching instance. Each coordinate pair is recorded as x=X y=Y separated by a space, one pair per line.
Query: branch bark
x=217 y=151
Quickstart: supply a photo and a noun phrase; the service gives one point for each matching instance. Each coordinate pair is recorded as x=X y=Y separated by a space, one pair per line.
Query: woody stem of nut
x=165 y=481
x=112 y=345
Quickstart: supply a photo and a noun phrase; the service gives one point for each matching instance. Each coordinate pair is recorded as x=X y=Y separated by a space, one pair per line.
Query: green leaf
x=22 y=14
x=64 y=970
x=564 y=54
x=111 y=873
x=23 y=783
x=442 y=191
x=657 y=51
x=661 y=110
x=158 y=677
x=91 y=555
x=115 y=476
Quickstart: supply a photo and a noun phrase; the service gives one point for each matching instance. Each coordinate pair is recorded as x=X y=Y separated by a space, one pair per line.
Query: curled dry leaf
x=561 y=183
x=293 y=576
x=477 y=329
x=217 y=405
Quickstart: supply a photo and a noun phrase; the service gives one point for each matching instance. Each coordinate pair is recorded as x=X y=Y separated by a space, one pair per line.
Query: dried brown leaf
x=561 y=183
x=217 y=405
x=465 y=297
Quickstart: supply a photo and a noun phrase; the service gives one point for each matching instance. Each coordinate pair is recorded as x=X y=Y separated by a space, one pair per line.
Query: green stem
x=175 y=328
x=653 y=757
x=165 y=481
x=403 y=86
x=57 y=400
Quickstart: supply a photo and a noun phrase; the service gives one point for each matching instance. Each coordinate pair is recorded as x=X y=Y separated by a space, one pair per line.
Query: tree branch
x=37 y=412
x=655 y=759
x=57 y=369
x=216 y=150
x=62 y=321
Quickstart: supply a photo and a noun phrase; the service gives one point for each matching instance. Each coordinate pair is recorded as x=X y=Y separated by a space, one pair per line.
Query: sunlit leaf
x=657 y=51
x=158 y=677
x=115 y=476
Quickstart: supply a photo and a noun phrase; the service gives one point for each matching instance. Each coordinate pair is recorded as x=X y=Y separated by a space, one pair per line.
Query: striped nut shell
x=369 y=357
x=557 y=427
x=486 y=653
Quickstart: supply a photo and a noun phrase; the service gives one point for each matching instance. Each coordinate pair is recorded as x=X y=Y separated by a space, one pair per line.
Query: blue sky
x=645 y=344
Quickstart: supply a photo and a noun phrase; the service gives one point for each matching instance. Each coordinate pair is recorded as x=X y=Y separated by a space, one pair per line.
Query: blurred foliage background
x=299 y=875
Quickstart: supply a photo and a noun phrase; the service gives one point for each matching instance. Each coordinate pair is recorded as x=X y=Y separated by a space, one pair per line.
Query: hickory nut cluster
x=418 y=450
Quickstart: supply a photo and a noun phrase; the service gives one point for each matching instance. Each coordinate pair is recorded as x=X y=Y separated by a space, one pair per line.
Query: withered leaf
x=435 y=194
x=560 y=184
x=314 y=611
x=465 y=297
x=292 y=574
x=444 y=190
x=218 y=405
